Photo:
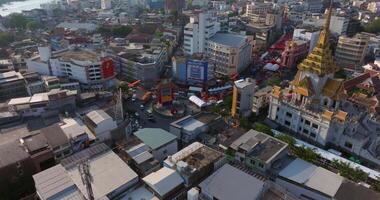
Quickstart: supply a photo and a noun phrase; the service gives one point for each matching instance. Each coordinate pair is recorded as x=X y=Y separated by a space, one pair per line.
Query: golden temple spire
x=324 y=36
x=320 y=60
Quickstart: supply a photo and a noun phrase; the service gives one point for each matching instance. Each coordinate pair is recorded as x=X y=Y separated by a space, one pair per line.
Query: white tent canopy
x=197 y=101
x=271 y=67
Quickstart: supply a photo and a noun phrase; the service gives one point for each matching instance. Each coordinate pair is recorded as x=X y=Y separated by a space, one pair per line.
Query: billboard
x=165 y=93
x=196 y=71
x=107 y=68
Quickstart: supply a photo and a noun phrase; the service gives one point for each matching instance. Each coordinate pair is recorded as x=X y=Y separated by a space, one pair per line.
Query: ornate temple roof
x=334 y=88
x=320 y=60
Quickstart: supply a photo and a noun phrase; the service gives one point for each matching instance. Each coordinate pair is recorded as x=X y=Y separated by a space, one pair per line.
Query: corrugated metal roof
x=55 y=182
x=229 y=183
x=154 y=137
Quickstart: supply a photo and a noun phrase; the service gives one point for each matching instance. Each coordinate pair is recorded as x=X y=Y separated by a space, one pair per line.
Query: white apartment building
x=339 y=25
x=89 y=68
x=307 y=35
x=202 y=27
x=230 y=53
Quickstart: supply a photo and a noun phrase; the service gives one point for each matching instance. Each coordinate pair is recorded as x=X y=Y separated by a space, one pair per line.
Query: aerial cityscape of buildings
x=190 y=99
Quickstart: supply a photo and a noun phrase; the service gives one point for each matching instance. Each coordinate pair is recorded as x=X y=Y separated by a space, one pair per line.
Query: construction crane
x=84 y=170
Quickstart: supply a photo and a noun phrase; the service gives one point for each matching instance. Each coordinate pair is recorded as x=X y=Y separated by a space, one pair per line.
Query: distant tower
x=84 y=170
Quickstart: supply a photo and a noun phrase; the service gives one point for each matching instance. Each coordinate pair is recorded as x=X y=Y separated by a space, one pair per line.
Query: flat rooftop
x=78 y=55
x=155 y=138
x=229 y=39
x=108 y=171
x=163 y=181
x=192 y=122
x=259 y=145
x=10 y=76
x=316 y=178
x=229 y=183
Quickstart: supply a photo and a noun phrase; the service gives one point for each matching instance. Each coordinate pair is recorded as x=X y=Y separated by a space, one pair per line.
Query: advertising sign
x=196 y=71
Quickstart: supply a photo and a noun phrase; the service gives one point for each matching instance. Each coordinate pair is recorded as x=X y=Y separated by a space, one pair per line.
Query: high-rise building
x=202 y=27
x=350 y=51
x=339 y=25
x=230 y=53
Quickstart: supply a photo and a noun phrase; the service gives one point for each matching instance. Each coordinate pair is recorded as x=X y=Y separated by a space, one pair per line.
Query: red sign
x=107 y=68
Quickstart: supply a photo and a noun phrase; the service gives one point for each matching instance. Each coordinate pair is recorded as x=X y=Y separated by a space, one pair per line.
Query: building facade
x=89 y=68
x=242 y=97
x=295 y=50
x=350 y=51
x=230 y=53
x=202 y=27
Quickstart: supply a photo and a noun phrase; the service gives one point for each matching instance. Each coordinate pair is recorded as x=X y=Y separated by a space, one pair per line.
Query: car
x=137 y=114
x=142 y=107
x=133 y=99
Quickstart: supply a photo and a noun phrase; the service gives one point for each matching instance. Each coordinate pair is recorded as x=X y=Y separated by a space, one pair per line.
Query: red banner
x=107 y=68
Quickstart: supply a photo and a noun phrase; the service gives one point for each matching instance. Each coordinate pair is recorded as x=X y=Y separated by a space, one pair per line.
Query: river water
x=18 y=6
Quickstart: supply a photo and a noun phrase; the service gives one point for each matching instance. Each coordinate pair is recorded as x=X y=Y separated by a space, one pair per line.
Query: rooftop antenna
x=84 y=171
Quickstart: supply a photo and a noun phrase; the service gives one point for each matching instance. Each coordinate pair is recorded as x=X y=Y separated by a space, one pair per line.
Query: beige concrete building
x=350 y=51
x=230 y=53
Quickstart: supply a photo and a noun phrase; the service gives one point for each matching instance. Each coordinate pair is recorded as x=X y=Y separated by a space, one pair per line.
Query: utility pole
x=84 y=170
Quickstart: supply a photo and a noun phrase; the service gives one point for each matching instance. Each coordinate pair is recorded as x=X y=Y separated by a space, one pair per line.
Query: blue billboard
x=196 y=71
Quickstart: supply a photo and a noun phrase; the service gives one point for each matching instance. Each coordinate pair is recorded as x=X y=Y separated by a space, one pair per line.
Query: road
x=160 y=122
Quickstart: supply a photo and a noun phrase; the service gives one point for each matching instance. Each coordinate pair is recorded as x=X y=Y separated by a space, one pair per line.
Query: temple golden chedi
x=311 y=104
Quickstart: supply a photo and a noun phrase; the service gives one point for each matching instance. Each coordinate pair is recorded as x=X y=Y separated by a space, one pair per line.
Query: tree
x=305 y=153
x=122 y=31
x=33 y=25
x=376 y=185
x=5 y=39
x=16 y=20
x=263 y=128
x=373 y=27
x=340 y=74
x=345 y=169
x=288 y=139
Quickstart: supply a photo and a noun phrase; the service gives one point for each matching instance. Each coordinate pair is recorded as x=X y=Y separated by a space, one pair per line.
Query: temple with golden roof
x=311 y=104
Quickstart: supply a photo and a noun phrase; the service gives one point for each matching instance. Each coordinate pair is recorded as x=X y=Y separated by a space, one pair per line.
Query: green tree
x=16 y=20
x=345 y=169
x=5 y=39
x=340 y=74
x=263 y=128
x=124 y=88
x=376 y=185
x=288 y=139
x=373 y=27
x=33 y=25
x=122 y=31
x=244 y=123
x=305 y=153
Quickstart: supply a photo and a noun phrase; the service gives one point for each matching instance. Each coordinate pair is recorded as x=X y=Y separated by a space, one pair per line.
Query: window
x=253 y=162
x=348 y=145
x=301 y=119
x=287 y=123
x=313 y=135
x=315 y=126
x=288 y=114
x=305 y=131
x=307 y=122
x=261 y=165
